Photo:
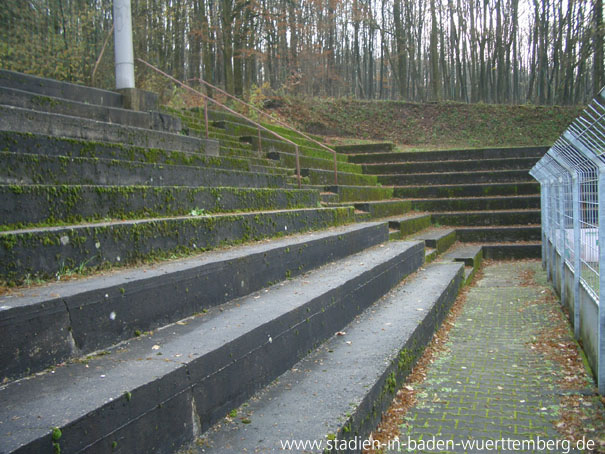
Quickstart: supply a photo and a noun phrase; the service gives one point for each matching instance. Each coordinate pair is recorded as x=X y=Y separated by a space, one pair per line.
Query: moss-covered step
x=363 y=148
x=411 y=223
x=450 y=166
x=65 y=90
x=477 y=203
x=326 y=177
x=469 y=254
x=272 y=170
x=360 y=193
x=25 y=120
x=22 y=168
x=17 y=142
x=289 y=160
x=46 y=326
x=384 y=208
x=468 y=190
x=437 y=238
x=446 y=155
x=161 y=390
x=42 y=103
x=500 y=251
x=40 y=204
x=461 y=178
x=47 y=251
x=348 y=382
x=269 y=145
x=488 y=218
x=509 y=233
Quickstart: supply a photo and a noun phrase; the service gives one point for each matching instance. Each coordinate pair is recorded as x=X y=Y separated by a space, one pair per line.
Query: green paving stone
x=492 y=383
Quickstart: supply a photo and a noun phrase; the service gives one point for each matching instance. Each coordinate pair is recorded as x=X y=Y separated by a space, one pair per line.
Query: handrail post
x=260 y=143
x=206 y=115
x=297 y=166
x=335 y=170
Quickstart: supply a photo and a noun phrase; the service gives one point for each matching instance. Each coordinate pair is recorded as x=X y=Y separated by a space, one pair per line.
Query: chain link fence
x=572 y=181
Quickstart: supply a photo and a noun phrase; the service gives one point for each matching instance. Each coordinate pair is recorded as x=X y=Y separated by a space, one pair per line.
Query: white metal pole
x=123 y=44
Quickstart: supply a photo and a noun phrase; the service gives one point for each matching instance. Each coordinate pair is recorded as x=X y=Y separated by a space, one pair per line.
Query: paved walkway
x=495 y=382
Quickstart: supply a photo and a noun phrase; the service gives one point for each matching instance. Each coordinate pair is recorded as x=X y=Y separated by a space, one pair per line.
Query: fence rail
x=572 y=182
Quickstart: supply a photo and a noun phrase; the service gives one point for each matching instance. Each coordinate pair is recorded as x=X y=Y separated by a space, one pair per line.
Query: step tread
x=31 y=407
x=441 y=162
x=334 y=380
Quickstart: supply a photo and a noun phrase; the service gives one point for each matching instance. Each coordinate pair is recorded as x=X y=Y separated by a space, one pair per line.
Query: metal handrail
x=281 y=123
x=207 y=98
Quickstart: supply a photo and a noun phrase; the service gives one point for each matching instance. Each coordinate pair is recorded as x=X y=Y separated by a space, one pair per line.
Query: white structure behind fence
x=572 y=181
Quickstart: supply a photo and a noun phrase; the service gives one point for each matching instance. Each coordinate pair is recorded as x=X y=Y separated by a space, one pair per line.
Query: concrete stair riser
x=21 y=168
x=495 y=234
x=480 y=203
x=460 y=178
x=147 y=120
x=370 y=148
x=451 y=166
x=488 y=218
x=59 y=146
x=47 y=251
x=28 y=121
x=360 y=193
x=289 y=160
x=25 y=205
x=446 y=155
x=386 y=208
x=411 y=224
x=472 y=190
x=326 y=177
x=202 y=387
x=65 y=90
x=48 y=329
x=512 y=251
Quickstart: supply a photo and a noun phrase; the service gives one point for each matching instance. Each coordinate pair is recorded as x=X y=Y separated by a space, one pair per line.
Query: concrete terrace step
x=58 y=89
x=33 y=101
x=446 y=155
x=371 y=148
x=63 y=320
x=347 y=383
x=467 y=190
x=326 y=177
x=495 y=234
x=29 y=121
x=24 y=168
x=49 y=250
x=488 y=218
x=471 y=255
x=439 y=239
x=33 y=204
x=381 y=208
x=17 y=142
x=450 y=166
x=459 y=178
x=360 y=193
x=407 y=225
x=512 y=251
x=208 y=364
x=477 y=203
x=289 y=160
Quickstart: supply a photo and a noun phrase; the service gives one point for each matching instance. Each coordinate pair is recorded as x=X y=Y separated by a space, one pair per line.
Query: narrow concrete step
x=488 y=218
x=326 y=177
x=469 y=254
x=25 y=168
x=33 y=101
x=496 y=234
x=361 y=193
x=370 y=148
x=450 y=166
x=329 y=197
x=454 y=155
x=30 y=121
x=384 y=208
x=48 y=325
x=35 y=204
x=411 y=223
x=460 y=178
x=277 y=145
x=436 y=238
x=349 y=381
x=467 y=190
x=58 y=89
x=289 y=160
x=513 y=251
x=17 y=142
x=271 y=170
x=46 y=251
x=477 y=203
x=158 y=391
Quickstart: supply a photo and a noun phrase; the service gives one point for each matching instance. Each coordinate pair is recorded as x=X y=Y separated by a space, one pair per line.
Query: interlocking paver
x=489 y=384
